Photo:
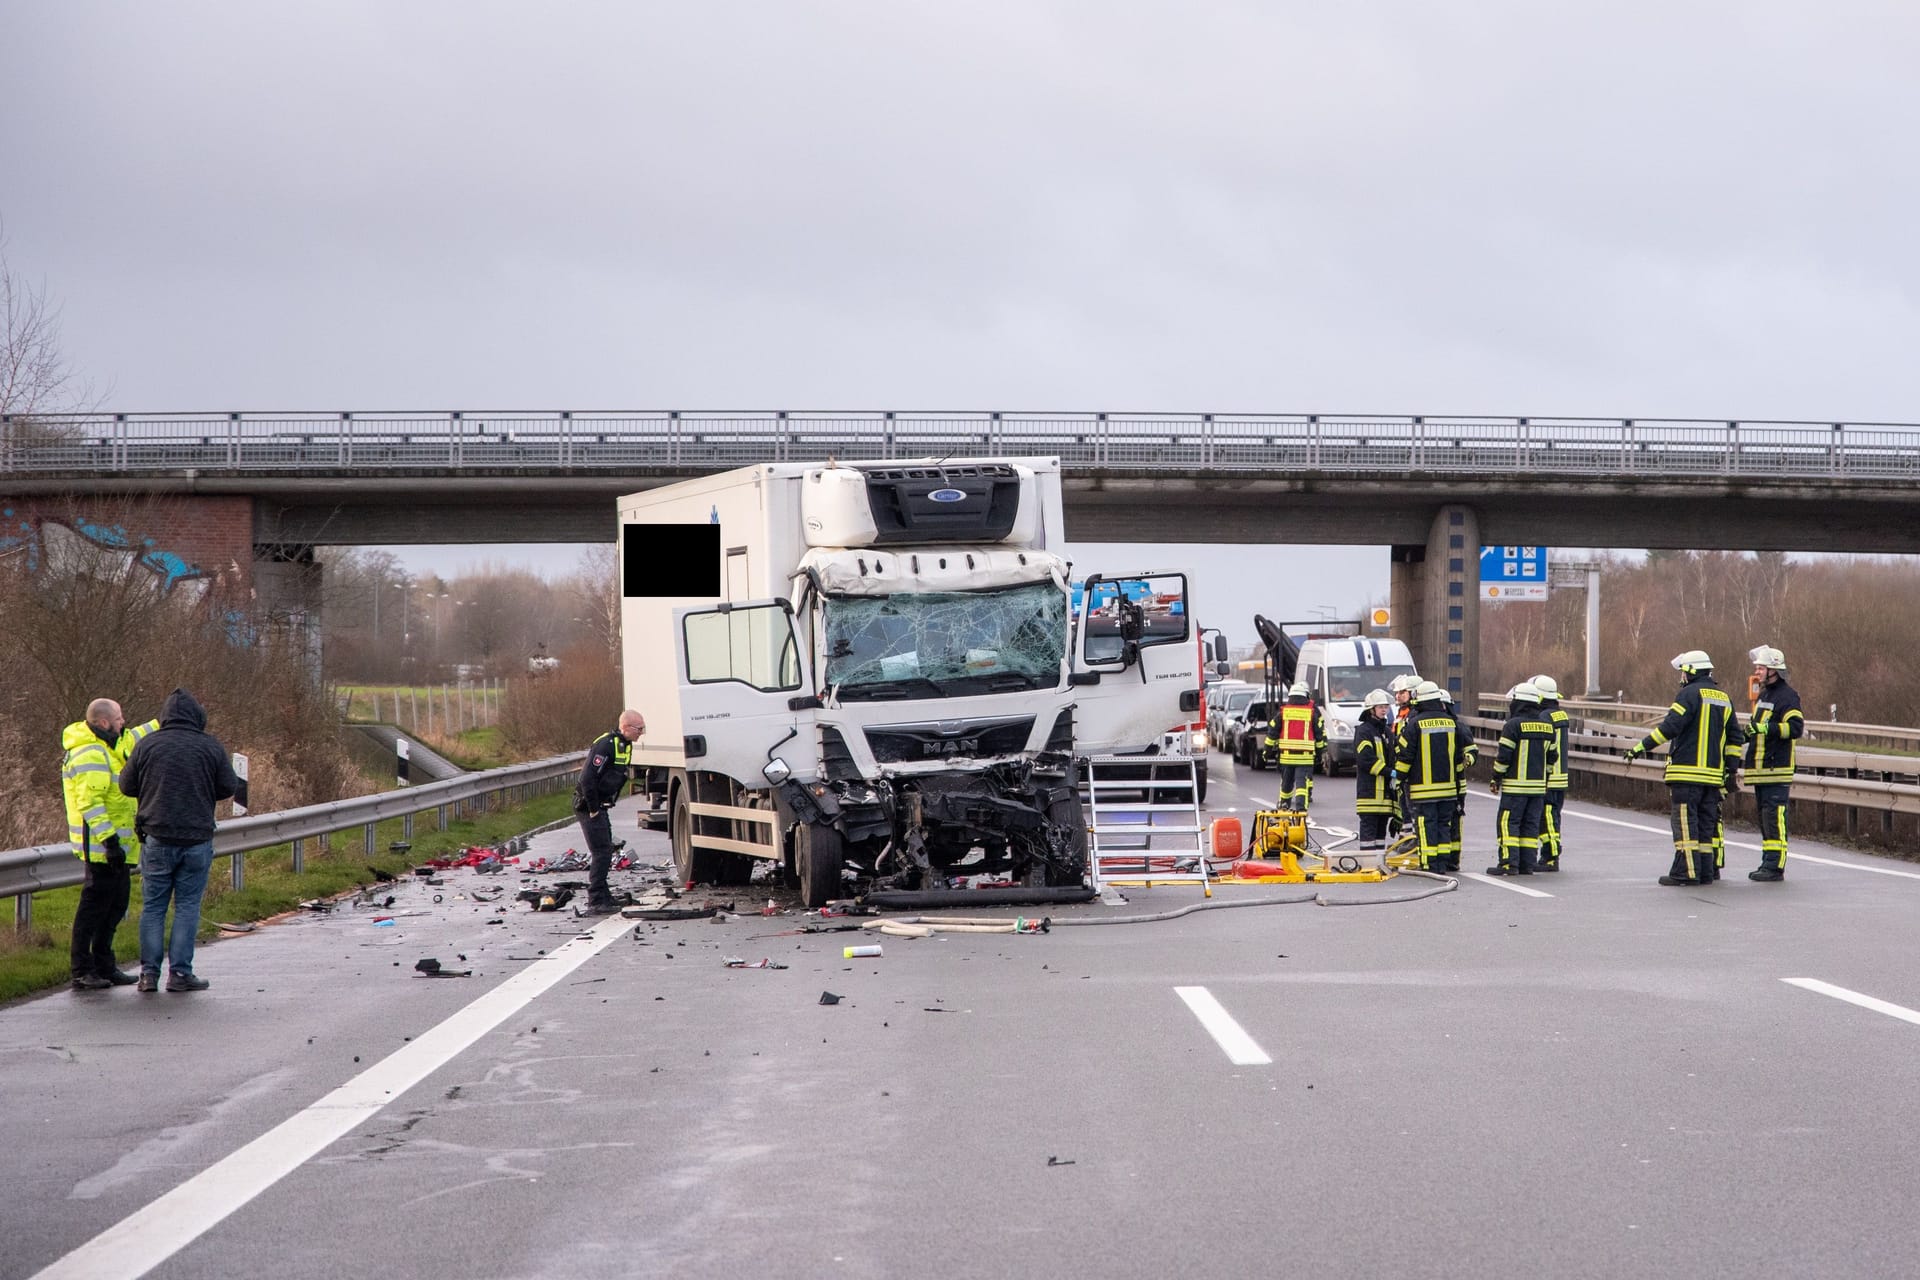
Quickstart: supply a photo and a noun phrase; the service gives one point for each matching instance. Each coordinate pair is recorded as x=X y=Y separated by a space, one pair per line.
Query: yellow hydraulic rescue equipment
x=1280 y=852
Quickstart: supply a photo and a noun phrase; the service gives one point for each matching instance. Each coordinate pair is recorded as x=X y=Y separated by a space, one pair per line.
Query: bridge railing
x=294 y=442
x=25 y=872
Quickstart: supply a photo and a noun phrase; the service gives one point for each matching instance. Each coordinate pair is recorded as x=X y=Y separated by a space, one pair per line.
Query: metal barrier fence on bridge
x=25 y=872
x=331 y=442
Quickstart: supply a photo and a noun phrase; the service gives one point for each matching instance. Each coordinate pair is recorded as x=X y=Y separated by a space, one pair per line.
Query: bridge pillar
x=1436 y=601
x=287 y=584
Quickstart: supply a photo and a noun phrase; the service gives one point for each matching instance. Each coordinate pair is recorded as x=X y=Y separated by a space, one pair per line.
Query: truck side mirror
x=1219 y=652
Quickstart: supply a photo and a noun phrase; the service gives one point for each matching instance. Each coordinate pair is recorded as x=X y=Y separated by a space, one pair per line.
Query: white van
x=1341 y=671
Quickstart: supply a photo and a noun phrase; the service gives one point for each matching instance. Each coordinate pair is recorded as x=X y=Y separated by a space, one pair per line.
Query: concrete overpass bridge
x=265 y=489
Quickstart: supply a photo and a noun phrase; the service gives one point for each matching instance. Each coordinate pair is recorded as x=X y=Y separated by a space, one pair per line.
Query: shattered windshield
x=940 y=643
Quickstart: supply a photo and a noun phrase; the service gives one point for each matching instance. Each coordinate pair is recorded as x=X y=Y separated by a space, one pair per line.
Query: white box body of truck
x=873 y=665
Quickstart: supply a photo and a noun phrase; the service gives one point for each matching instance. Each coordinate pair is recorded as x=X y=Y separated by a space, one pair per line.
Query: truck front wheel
x=819 y=853
x=693 y=866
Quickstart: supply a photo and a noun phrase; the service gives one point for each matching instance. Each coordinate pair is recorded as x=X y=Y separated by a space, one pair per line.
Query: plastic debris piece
x=827 y=997
x=1055 y=1162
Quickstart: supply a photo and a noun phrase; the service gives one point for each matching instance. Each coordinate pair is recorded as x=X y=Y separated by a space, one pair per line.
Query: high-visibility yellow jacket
x=1298 y=733
x=1432 y=755
x=1372 y=766
x=89 y=777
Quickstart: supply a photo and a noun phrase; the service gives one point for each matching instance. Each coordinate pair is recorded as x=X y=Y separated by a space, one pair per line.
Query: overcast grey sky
x=1509 y=207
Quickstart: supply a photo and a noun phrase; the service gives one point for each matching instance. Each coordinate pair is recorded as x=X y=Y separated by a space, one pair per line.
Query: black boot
x=1677 y=880
x=1767 y=873
x=1500 y=870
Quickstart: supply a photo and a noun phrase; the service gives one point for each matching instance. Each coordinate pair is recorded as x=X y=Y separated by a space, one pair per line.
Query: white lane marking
x=146 y=1238
x=1501 y=882
x=1228 y=1034
x=1792 y=857
x=1854 y=997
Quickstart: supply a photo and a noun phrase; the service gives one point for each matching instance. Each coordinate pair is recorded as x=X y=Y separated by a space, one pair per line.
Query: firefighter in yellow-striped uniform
x=1777 y=724
x=1431 y=758
x=1702 y=736
x=1298 y=735
x=100 y=831
x=1529 y=747
x=1551 y=829
x=1373 y=775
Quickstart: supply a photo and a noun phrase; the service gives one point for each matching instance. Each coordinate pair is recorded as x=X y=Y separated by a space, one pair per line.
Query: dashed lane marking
x=1502 y=882
x=1229 y=1035
x=1854 y=997
x=142 y=1241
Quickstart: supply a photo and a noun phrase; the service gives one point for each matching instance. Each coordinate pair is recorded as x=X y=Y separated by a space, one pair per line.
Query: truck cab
x=890 y=686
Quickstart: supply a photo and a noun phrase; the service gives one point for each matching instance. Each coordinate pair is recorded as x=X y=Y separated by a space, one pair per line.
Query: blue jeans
x=177 y=872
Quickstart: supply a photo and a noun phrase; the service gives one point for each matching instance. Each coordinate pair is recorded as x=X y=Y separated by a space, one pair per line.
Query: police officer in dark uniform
x=608 y=768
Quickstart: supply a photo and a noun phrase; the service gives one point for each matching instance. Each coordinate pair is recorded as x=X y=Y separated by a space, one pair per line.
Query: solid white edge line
x=147 y=1237
x=1739 y=844
x=1854 y=997
x=1501 y=882
x=1229 y=1035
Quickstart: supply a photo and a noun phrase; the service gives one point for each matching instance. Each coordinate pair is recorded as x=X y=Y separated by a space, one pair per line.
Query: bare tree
x=34 y=374
x=595 y=589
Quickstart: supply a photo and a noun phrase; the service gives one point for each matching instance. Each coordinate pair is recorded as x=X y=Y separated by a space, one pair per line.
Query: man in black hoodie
x=177 y=774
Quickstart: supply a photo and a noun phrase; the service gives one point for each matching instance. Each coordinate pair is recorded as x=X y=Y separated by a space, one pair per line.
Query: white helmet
x=1547 y=685
x=1693 y=661
x=1428 y=691
x=1403 y=684
x=1524 y=692
x=1769 y=657
x=1299 y=689
x=1378 y=698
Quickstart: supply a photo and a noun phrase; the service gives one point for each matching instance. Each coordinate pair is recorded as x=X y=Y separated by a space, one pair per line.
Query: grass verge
x=36 y=959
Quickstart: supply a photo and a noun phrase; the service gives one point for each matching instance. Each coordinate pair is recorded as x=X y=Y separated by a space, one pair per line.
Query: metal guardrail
x=1894 y=737
x=334 y=442
x=24 y=872
x=1892 y=784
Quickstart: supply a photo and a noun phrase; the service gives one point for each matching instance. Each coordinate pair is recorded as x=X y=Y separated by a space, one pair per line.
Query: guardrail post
x=1837 y=451
x=566 y=439
x=23 y=911
x=406 y=828
x=1100 y=440
x=346 y=439
x=299 y=857
x=1733 y=448
x=233 y=440
x=440 y=819
x=239 y=870
x=371 y=836
x=1520 y=443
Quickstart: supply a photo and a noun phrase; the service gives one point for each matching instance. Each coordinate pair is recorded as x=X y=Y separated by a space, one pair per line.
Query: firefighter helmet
x=1428 y=691
x=1403 y=684
x=1693 y=662
x=1378 y=698
x=1547 y=685
x=1769 y=657
x=1299 y=689
x=1525 y=691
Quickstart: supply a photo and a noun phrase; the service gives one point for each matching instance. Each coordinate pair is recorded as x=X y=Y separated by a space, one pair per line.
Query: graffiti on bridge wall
x=55 y=542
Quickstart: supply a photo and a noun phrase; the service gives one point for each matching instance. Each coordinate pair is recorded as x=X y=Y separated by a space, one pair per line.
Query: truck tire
x=819 y=853
x=693 y=866
x=1071 y=814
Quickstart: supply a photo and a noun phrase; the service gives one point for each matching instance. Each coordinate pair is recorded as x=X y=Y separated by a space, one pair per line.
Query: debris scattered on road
x=736 y=962
x=433 y=969
x=668 y=913
x=227 y=926
x=385 y=877
x=827 y=997
x=1055 y=1162
x=860 y=953
x=383 y=922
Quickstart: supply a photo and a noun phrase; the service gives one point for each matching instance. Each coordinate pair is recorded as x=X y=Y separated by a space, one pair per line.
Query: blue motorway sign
x=1513 y=573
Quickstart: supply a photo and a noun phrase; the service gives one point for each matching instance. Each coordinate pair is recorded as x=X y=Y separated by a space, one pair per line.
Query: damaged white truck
x=871 y=671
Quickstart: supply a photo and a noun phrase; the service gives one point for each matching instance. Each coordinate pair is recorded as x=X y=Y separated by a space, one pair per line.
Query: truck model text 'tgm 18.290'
x=875 y=666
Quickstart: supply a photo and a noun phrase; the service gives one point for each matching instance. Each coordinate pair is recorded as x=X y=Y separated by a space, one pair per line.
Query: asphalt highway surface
x=1599 y=1077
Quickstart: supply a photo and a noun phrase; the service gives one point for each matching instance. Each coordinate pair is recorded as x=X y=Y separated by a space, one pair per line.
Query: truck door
x=746 y=692
x=1135 y=670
